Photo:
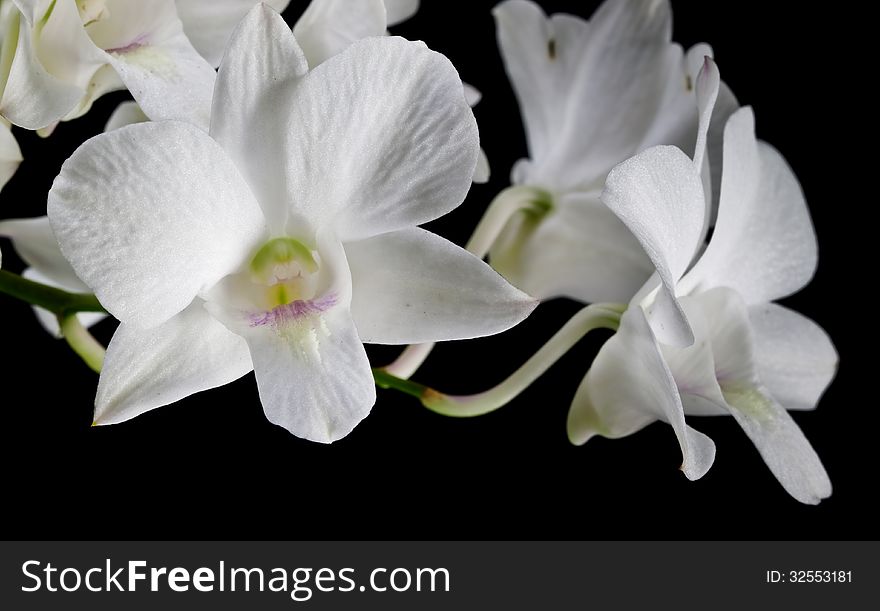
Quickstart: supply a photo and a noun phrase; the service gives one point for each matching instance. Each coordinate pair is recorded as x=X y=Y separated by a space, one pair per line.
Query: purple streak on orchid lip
x=293 y=311
x=134 y=45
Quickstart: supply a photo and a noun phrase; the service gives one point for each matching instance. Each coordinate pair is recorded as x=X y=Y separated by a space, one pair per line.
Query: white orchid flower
x=285 y=238
x=709 y=341
x=10 y=153
x=592 y=94
x=68 y=53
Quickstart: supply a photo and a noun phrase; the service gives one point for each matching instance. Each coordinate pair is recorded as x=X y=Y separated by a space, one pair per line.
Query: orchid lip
x=293 y=311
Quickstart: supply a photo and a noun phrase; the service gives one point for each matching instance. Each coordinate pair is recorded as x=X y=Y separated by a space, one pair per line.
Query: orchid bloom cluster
x=257 y=207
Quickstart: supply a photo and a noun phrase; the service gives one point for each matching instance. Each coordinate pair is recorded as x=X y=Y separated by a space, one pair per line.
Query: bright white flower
x=10 y=154
x=287 y=236
x=591 y=93
x=70 y=52
x=708 y=341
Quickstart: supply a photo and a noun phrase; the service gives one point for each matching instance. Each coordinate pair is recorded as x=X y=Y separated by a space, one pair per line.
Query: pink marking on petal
x=134 y=45
x=292 y=311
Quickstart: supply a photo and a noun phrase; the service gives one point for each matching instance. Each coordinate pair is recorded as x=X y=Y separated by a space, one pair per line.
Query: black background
x=212 y=466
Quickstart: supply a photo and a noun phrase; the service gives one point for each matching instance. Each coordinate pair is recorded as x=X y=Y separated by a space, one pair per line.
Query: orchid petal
x=795 y=358
x=380 y=139
x=781 y=443
x=482 y=171
x=209 y=24
x=400 y=10
x=411 y=286
x=127 y=113
x=708 y=83
x=145 y=369
x=65 y=48
x=146 y=45
x=779 y=440
x=312 y=371
x=725 y=105
x=10 y=154
x=318 y=395
x=578 y=249
x=105 y=80
x=329 y=26
x=658 y=194
x=472 y=95
x=676 y=119
x=32 y=10
x=28 y=80
x=262 y=63
x=764 y=245
x=151 y=214
x=35 y=243
x=589 y=91
x=628 y=387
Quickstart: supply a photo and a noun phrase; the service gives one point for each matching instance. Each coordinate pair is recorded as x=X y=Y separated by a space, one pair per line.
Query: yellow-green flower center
x=288 y=268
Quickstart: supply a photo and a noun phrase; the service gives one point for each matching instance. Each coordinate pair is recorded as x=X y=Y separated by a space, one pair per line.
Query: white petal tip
x=579 y=438
x=820 y=491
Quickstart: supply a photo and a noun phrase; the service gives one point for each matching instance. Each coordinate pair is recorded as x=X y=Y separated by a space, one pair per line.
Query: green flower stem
x=596 y=316
x=64 y=306
x=82 y=342
x=57 y=301
x=506 y=205
x=386 y=380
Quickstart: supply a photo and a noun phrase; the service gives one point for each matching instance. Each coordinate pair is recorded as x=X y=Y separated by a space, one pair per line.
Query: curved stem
x=412 y=357
x=384 y=379
x=82 y=342
x=64 y=306
x=506 y=204
x=596 y=316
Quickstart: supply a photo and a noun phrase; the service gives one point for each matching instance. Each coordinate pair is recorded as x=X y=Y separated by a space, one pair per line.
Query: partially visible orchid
x=298 y=241
x=66 y=54
x=591 y=93
x=704 y=338
x=324 y=29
